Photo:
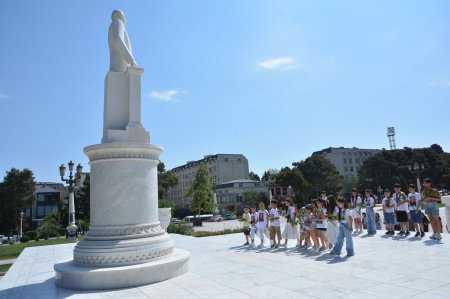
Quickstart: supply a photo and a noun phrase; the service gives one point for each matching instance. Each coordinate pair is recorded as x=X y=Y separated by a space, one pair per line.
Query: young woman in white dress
x=333 y=224
x=291 y=229
x=356 y=212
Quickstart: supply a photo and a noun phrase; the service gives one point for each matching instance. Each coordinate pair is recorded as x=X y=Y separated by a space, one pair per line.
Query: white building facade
x=347 y=160
x=222 y=168
x=230 y=194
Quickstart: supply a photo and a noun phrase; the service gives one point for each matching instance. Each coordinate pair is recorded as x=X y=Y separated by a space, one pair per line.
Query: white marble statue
x=119 y=44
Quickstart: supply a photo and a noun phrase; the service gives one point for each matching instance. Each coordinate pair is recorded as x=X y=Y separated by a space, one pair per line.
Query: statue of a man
x=119 y=44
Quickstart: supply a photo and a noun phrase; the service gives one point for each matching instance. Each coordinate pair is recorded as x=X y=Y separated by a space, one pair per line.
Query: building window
x=351 y=168
x=350 y=160
x=345 y=168
x=345 y=160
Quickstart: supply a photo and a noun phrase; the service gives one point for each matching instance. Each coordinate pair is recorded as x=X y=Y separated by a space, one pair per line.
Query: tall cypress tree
x=201 y=191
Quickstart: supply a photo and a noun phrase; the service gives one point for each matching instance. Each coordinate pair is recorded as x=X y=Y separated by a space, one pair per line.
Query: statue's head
x=118 y=15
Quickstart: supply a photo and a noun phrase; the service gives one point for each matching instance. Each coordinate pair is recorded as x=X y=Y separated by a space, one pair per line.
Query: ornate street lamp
x=73 y=183
x=417 y=168
x=21 y=222
x=379 y=192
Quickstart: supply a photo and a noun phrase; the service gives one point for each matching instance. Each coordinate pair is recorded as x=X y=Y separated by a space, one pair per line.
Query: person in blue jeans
x=345 y=229
x=369 y=202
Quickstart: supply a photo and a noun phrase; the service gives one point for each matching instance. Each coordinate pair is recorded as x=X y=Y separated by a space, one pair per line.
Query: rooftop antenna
x=391 y=136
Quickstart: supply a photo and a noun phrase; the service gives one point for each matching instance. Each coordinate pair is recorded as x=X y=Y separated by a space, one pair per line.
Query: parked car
x=216 y=218
x=444 y=192
x=174 y=220
x=3 y=239
x=229 y=217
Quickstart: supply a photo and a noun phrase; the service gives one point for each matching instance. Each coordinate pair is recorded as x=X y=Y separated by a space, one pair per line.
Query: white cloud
x=283 y=63
x=165 y=95
x=4 y=96
x=440 y=82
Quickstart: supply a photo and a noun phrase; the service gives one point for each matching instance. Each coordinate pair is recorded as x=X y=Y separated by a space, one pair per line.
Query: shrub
x=181 y=228
x=197 y=222
x=164 y=203
x=32 y=234
x=24 y=239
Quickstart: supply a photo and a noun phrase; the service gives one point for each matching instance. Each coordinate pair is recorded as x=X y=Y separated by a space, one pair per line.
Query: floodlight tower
x=391 y=136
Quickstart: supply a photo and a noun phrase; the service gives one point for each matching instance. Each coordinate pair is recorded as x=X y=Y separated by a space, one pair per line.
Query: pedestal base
x=70 y=276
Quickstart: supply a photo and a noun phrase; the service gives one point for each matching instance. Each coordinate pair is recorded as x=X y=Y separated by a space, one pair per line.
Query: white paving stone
x=221 y=268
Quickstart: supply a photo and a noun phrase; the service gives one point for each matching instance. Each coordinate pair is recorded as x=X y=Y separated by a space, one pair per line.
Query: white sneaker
x=438 y=236
x=433 y=237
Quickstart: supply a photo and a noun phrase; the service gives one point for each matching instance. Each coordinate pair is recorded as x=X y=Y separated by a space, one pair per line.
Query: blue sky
x=273 y=80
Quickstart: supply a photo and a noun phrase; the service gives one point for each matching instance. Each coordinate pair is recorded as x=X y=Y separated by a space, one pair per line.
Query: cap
x=396 y=185
x=427 y=180
x=387 y=190
x=354 y=190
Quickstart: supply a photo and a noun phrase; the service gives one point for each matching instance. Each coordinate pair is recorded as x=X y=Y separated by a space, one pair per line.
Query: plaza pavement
x=386 y=267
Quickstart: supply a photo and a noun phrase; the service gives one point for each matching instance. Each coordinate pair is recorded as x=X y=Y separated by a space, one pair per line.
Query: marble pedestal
x=125 y=245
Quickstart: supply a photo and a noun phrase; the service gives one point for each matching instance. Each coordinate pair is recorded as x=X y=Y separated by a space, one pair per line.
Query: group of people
x=327 y=222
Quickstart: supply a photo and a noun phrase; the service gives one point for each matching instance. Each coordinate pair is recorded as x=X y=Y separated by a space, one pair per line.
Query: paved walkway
x=391 y=267
x=6 y=262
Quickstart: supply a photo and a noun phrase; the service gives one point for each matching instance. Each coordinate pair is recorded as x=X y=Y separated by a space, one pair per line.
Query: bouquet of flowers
x=361 y=205
x=401 y=199
x=388 y=202
x=332 y=217
x=319 y=215
x=301 y=214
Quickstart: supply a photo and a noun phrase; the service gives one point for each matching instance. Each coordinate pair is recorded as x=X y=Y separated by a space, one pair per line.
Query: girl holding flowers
x=357 y=204
x=291 y=229
x=321 y=224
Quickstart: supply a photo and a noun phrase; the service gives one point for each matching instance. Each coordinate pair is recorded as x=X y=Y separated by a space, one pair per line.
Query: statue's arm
x=118 y=38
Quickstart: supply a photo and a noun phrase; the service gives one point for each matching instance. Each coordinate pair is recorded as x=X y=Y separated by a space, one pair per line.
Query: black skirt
x=402 y=216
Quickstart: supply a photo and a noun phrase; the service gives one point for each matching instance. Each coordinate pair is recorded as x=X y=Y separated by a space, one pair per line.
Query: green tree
x=201 y=191
x=389 y=167
x=166 y=180
x=319 y=174
x=16 y=194
x=253 y=197
x=83 y=200
x=254 y=176
x=291 y=177
x=269 y=174
x=50 y=225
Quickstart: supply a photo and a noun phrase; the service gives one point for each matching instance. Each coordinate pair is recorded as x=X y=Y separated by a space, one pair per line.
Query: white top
x=254 y=218
x=401 y=197
x=355 y=203
x=272 y=215
x=414 y=201
x=262 y=218
x=392 y=203
x=291 y=212
x=345 y=214
x=324 y=222
x=369 y=202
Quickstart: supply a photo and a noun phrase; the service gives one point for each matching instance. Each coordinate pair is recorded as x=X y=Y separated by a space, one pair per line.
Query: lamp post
x=379 y=192
x=73 y=183
x=417 y=168
x=21 y=227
